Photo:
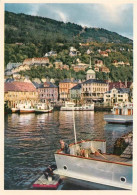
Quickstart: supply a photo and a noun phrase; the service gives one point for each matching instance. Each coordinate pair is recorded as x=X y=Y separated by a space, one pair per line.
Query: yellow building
x=20 y=92
x=64 y=88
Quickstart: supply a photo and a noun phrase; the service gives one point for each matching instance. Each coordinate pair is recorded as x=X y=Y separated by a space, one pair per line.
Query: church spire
x=90 y=67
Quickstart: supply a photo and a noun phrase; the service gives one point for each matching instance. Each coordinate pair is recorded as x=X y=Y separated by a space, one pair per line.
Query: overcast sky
x=114 y=17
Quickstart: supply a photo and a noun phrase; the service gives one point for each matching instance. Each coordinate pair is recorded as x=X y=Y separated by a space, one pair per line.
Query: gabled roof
x=19 y=86
x=37 y=85
x=78 y=86
x=9 y=80
x=49 y=85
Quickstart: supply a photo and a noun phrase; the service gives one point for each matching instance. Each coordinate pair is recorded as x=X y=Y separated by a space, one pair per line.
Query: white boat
x=121 y=113
x=70 y=106
x=94 y=165
x=15 y=110
x=43 y=108
x=26 y=107
x=89 y=162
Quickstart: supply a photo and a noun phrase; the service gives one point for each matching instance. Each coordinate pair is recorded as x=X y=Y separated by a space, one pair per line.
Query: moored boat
x=43 y=108
x=26 y=108
x=43 y=183
x=15 y=110
x=121 y=113
x=70 y=106
x=89 y=162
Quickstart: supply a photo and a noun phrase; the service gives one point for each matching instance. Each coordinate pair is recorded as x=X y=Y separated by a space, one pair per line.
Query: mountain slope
x=26 y=28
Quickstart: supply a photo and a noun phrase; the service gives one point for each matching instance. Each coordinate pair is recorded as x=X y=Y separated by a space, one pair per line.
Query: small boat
x=15 y=110
x=43 y=108
x=26 y=108
x=89 y=162
x=43 y=183
x=48 y=180
x=122 y=113
x=70 y=106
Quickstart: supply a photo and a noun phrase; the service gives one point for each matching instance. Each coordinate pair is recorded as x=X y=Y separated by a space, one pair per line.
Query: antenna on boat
x=74 y=127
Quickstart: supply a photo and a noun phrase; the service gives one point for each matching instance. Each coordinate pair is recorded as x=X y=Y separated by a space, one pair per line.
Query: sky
x=113 y=17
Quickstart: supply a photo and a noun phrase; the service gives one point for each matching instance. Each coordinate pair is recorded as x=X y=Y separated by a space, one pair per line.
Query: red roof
x=19 y=86
x=119 y=85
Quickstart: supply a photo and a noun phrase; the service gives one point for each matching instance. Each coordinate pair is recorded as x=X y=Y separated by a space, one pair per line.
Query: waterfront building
x=93 y=90
x=48 y=92
x=75 y=92
x=64 y=88
x=20 y=92
x=131 y=93
x=116 y=96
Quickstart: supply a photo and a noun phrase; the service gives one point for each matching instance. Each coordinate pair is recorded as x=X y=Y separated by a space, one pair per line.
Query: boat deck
x=112 y=158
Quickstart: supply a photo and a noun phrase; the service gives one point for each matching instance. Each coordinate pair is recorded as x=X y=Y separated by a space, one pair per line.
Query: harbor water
x=32 y=139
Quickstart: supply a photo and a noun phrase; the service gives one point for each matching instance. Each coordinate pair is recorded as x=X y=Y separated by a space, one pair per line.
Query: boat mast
x=74 y=127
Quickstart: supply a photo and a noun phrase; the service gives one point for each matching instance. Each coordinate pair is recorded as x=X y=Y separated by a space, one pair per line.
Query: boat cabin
x=123 y=109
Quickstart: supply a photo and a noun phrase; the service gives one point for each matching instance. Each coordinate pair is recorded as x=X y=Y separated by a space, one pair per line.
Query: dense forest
x=32 y=36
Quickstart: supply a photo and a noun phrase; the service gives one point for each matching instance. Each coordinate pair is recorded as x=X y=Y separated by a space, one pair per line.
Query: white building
x=116 y=96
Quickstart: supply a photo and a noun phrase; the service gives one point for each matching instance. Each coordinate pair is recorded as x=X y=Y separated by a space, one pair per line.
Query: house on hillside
x=36 y=61
x=51 y=53
x=104 y=53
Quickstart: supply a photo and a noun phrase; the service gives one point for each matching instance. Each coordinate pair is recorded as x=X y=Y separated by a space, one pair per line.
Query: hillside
x=26 y=28
x=32 y=36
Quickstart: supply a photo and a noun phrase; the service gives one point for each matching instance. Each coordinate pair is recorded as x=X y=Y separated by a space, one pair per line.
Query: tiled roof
x=94 y=81
x=118 y=85
x=19 y=86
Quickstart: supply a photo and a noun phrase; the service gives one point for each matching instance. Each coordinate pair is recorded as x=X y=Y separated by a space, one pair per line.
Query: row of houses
x=89 y=90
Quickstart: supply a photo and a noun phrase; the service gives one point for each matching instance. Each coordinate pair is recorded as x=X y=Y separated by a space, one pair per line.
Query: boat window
x=122 y=179
x=65 y=167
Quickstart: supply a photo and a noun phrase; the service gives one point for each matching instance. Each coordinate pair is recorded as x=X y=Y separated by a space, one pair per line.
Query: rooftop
x=78 y=86
x=19 y=86
x=94 y=81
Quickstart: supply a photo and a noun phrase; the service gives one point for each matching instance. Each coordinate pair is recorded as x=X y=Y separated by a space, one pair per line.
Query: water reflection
x=31 y=140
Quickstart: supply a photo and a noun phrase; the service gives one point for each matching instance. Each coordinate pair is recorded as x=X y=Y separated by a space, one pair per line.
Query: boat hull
x=77 y=109
x=91 y=170
x=42 y=111
x=27 y=110
x=120 y=119
x=14 y=110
